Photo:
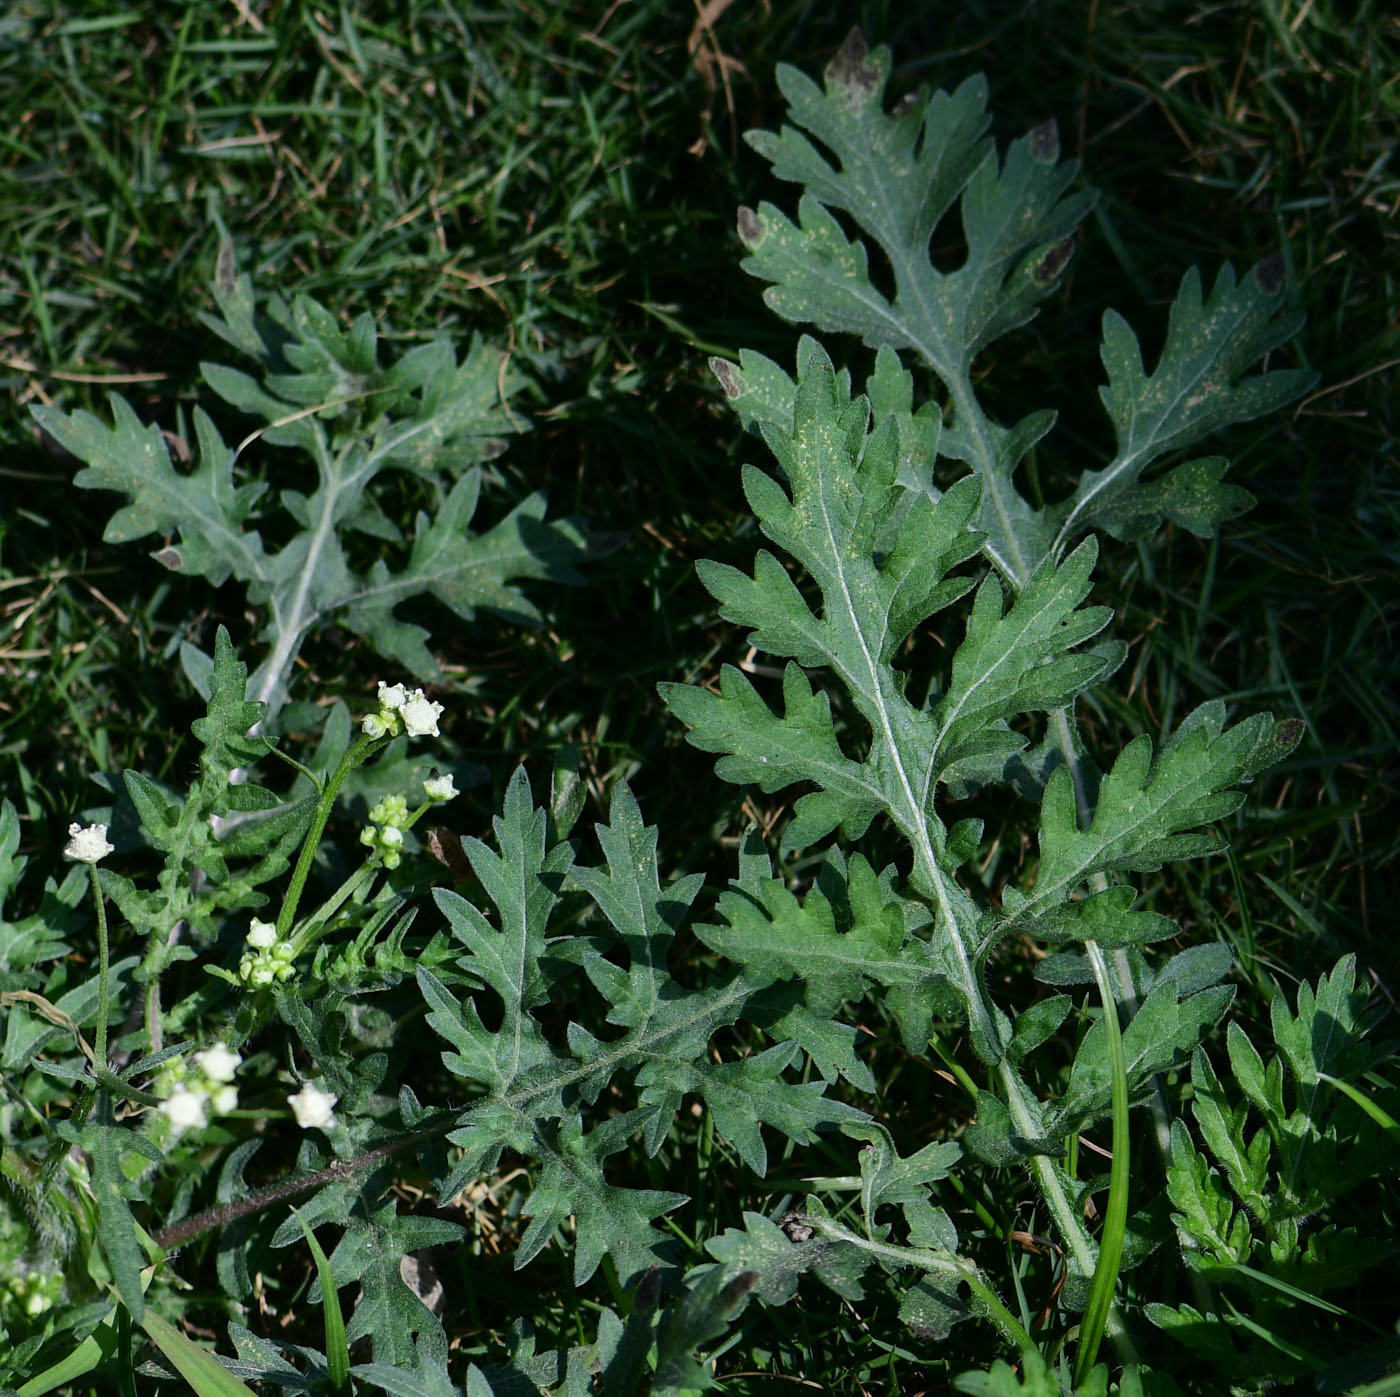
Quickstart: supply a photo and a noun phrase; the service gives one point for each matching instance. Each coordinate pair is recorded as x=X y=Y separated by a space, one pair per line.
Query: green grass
x=562 y=178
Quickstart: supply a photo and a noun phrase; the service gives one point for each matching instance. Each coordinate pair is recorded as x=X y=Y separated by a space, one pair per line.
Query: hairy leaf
x=535 y=1088
x=324 y=393
x=895 y=176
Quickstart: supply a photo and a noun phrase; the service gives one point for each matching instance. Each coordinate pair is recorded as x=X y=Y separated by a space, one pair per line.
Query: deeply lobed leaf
x=535 y=1090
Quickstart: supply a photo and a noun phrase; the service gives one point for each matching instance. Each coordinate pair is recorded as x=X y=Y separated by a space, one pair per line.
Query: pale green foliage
x=1281 y=1148
x=915 y=675
x=323 y=393
x=1036 y=1378
x=895 y=176
x=40 y=937
x=880 y=560
x=182 y=828
x=857 y=507
x=532 y=1091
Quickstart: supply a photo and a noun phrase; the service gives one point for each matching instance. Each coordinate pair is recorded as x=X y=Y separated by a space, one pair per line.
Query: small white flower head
x=217 y=1064
x=393 y=696
x=420 y=716
x=184 y=1109
x=268 y=960
x=390 y=837
x=376 y=725
x=262 y=935
x=224 y=1100
x=440 y=788
x=87 y=843
x=313 y=1108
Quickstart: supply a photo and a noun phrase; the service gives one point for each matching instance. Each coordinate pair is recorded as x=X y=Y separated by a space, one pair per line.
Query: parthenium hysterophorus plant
x=859 y=510
x=884 y=553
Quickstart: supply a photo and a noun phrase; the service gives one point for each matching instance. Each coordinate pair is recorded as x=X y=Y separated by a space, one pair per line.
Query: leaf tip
x=728 y=378
x=226 y=270
x=738 y=1290
x=852 y=69
x=1045 y=143
x=750 y=226
x=648 y=1291
x=1054 y=260
x=1270 y=274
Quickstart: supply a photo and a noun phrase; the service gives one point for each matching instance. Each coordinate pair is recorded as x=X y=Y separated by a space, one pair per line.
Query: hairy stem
x=104 y=971
x=168 y=1238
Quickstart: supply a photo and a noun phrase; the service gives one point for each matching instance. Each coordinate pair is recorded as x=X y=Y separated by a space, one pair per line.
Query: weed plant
x=359 y=1038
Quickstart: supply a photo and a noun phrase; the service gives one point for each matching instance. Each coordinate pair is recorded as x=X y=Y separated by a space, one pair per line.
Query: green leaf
x=204 y=1373
x=1206 y=1213
x=1319 y=1037
x=704 y=1313
x=336 y=1348
x=608 y=1220
x=1196 y=388
x=1164 y=1030
x=848 y=935
x=1036 y=1379
x=1146 y=807
x=885 y=1178
x=466 y=572
x=204 y=508
x=106 y=1142
x=370 y=1252
x=39 y=937
x=894 y=177
x=1222 y=1127
x=535 y=1089
x=743 y=1095
x=323 y=393
x=96 y=1349
x=778 y=1261
x=897 y=177
x=992 y=1136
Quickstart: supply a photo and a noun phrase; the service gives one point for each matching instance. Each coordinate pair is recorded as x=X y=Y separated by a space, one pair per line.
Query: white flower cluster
x=400 y=711
x=192 y=1092
x=438 y=787
x=267 y=960
x=313 y=1108
x=384 y=834
x=87 y=843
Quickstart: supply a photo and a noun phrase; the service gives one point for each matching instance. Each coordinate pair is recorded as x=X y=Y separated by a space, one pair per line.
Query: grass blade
x=337 y=1350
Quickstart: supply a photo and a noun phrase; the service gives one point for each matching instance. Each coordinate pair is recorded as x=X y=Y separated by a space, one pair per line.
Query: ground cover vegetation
x=579 y=764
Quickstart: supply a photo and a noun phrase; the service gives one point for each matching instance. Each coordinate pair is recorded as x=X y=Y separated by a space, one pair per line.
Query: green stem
x=1115 y=1225
x=103 y=970
x=311 y=932
x=359 y=753
x=930 y=1259
x=124 y=1091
